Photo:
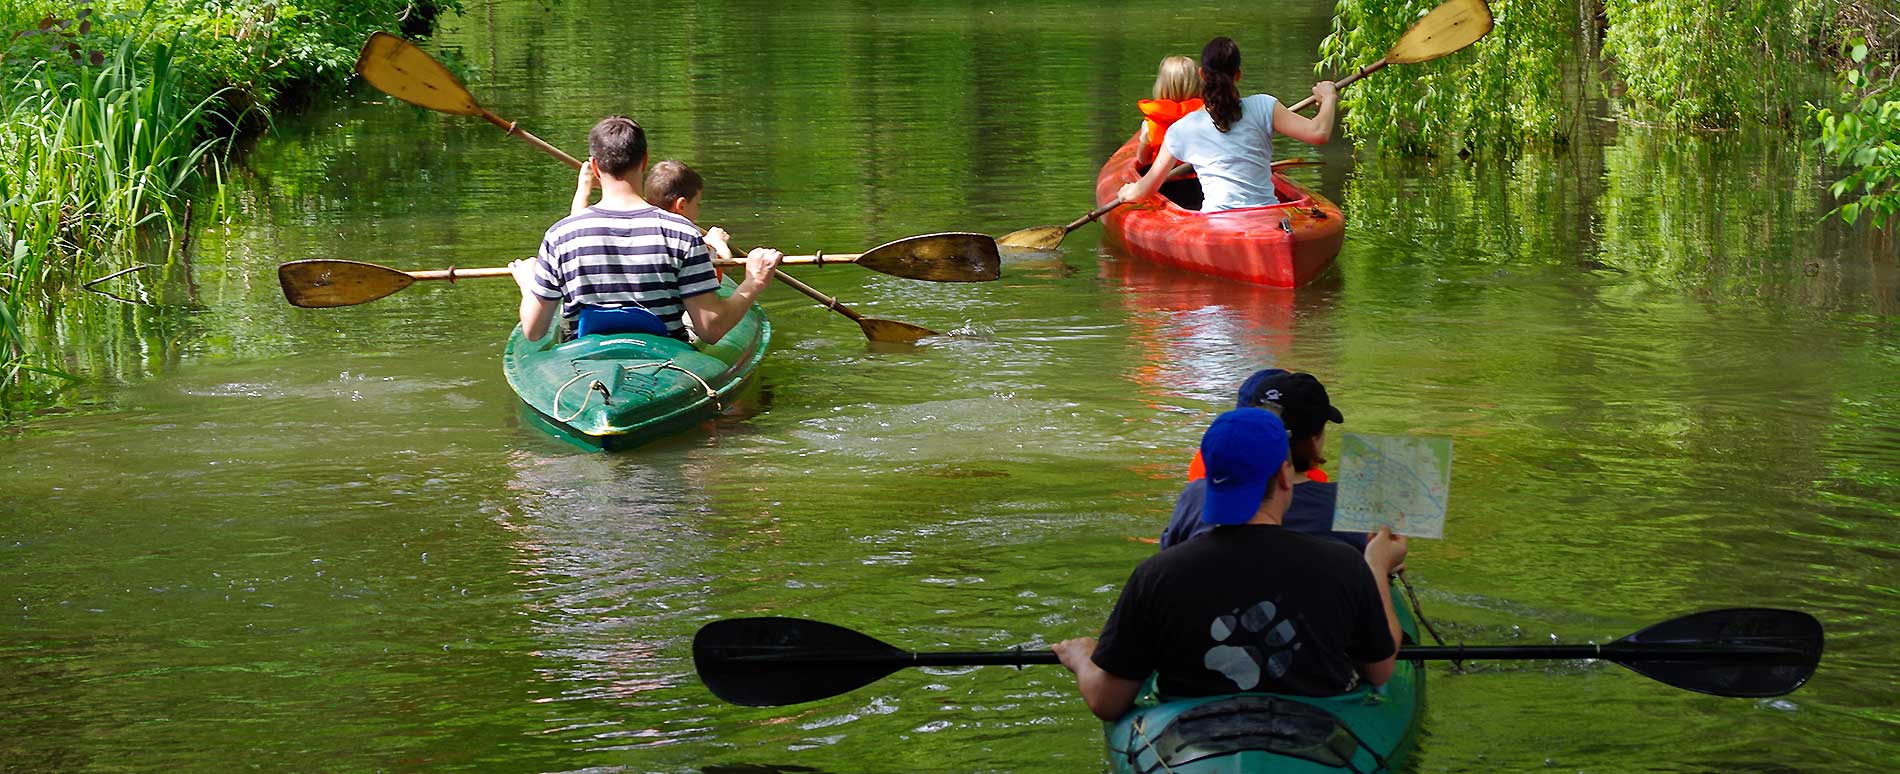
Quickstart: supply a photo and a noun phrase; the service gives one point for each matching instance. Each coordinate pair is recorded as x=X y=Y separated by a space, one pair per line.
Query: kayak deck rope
x=1141 y=729
x=606 y=395
x=711 y=394
x=597 y=386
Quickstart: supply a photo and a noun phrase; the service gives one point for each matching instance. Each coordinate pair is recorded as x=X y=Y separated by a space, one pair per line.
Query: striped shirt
x=647 y=258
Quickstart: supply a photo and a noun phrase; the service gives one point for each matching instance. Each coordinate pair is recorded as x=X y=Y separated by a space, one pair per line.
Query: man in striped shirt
x=624 y=252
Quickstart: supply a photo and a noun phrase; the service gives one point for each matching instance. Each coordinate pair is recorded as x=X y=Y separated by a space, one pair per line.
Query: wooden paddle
x=1745 y=652
x=406 y=72
x=886 y=331
x=1447 y=29
x=947 y=257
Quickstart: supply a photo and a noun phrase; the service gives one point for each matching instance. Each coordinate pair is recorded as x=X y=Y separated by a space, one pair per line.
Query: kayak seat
x=600 y=320
x=1251 y=722
x=1184 y=192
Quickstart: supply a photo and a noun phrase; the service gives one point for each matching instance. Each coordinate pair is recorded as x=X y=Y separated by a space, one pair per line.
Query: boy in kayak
x=1250 y=606
x=1230 y=140
x=624 y=253
x=1303 y=407
x=677 y=188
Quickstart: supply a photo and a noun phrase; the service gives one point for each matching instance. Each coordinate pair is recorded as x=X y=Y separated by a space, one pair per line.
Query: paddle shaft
x=1612 y=652
x=503 y=271
x=827 y=301
x=1342 y=83
x=515 y=129
x=1097 y=213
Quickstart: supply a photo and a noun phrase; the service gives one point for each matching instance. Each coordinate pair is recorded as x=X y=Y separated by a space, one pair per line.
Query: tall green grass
x=85 y=163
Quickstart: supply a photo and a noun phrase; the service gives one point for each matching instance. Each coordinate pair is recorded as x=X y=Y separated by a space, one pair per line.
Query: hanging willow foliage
x=1506 y=89
x=1677 y=63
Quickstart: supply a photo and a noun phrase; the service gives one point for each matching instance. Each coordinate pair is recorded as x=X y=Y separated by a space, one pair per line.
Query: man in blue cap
x=1250 y=606
x=1301 y=403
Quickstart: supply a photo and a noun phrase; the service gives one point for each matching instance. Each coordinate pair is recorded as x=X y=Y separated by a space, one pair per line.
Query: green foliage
x=83 y=164
x=111 y=109
x=1676 y=63
x=1506 y=89
x=1711 y=65
x=1863 y=136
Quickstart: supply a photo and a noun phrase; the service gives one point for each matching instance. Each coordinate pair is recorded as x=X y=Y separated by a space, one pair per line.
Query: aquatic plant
x=84 y=163
x=111 y=110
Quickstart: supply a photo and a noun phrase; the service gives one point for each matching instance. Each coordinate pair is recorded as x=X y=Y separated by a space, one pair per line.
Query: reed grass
x=85 y=163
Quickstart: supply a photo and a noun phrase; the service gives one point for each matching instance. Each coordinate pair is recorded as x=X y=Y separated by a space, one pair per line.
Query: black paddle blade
x=768 y=662
x=1746 y=652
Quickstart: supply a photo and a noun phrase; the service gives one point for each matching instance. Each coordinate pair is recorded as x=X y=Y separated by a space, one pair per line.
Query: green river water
x=271 y=538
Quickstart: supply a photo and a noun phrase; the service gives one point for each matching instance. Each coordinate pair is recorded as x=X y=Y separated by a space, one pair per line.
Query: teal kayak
x=621 y=390
x=1367 y=730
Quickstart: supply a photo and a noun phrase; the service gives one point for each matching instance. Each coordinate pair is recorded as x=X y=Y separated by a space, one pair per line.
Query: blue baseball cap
x=1243 y=450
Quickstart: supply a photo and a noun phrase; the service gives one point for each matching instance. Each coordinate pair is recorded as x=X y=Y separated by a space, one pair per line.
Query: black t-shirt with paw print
x=1248 y=608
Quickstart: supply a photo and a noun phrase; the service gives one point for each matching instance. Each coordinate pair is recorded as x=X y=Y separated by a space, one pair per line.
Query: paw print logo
x=1251 y=641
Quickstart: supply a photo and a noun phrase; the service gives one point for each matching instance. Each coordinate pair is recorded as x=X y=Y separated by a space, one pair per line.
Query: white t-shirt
x=1235 y=166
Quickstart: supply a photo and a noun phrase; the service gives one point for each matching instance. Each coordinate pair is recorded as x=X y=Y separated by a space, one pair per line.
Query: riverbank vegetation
x=1861 y=131
x=1675 y=65
x=114 y=114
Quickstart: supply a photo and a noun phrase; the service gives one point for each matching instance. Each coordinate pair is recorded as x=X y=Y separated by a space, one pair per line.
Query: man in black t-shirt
x=1249 y=606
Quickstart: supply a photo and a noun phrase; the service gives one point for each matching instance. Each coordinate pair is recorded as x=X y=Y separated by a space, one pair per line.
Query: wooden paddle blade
x=320 y=284
x=768 y=662
x=1034 y=238
x=893 y=332
x=1771 y=652
x=408 y=73
x=1447 y=28
x=954 y=256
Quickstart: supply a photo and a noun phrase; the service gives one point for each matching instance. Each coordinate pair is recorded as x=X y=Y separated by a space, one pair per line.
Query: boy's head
x=675 y=187
x=619 y=147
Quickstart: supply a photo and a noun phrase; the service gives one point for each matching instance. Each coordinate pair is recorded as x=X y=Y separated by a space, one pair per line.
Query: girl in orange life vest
x=1177 y=93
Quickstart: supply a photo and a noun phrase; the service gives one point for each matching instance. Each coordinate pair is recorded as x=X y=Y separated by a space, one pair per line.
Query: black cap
x=1298 y=398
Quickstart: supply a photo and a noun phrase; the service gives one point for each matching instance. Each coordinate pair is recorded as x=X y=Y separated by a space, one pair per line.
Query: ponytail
x=1220 y=64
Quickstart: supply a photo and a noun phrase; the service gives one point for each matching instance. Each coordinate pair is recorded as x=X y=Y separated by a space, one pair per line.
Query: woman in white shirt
x=1230 y=140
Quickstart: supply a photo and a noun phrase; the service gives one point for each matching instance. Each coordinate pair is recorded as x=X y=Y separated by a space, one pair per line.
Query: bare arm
x=720 y=243
x=1317 y=130
x=1385 y=554
x=1151 y=182
x=1108 y=696
x=537 y=313
x=584 y=189
x=713 y=316
x=1143 y=156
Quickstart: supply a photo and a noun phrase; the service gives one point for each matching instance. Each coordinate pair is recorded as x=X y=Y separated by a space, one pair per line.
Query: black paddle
x=1746 y=652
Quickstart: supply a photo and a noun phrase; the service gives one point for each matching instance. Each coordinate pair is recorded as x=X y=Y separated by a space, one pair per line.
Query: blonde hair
x=1179 y=78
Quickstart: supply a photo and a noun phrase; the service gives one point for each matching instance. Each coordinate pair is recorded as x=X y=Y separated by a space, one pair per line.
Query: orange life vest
x=1197 y=470
x=1161 y=113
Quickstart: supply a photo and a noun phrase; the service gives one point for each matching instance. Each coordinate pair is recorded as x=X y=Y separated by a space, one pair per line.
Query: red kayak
x=1283 y=245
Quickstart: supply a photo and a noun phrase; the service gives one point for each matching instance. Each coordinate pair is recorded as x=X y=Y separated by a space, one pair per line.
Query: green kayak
x=621 y=390
x=1368 y=730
